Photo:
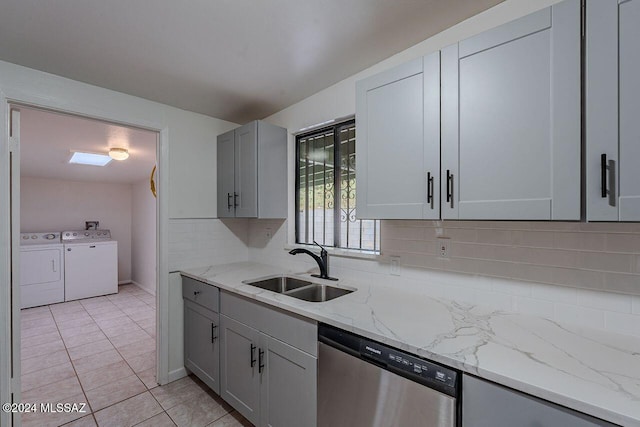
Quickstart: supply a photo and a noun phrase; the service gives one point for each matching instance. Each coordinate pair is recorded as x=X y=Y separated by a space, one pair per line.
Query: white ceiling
x=47 y=140
x=236 y=60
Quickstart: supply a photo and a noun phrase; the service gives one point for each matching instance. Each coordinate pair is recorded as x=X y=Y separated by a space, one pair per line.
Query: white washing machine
x=90 y=264
x=41 y=269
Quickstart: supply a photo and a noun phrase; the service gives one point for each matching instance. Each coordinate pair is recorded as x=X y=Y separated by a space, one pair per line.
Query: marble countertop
x=591 y=371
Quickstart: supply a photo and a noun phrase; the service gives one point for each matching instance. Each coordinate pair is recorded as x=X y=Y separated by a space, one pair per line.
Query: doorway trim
x=9 y=318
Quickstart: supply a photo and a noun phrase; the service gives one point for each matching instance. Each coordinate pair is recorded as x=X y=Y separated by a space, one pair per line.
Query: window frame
x=335 y=128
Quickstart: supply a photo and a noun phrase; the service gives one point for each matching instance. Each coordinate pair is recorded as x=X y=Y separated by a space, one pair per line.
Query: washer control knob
x=86 y=233
x=34 y=236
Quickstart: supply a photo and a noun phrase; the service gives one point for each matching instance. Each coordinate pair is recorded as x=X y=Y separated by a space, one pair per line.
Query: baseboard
x=177 y=374
x=124 y=282
x=149 y=289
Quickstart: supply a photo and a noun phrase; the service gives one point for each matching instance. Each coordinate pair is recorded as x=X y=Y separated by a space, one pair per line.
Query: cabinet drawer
x=201 y=293
x=294 y=330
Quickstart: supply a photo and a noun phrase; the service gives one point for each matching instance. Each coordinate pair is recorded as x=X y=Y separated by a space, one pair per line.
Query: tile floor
x=101 y=351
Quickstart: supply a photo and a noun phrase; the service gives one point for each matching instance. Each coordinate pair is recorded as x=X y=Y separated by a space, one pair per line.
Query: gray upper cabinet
x=398 y=142
x=252 y=172
x=511 y=122
x=612 y=105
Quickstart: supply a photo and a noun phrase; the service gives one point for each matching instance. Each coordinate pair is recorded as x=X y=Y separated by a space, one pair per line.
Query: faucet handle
x=323 y=251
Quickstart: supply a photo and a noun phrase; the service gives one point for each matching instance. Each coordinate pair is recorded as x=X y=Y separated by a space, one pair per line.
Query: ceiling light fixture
x=92 y=159
x=119 y=153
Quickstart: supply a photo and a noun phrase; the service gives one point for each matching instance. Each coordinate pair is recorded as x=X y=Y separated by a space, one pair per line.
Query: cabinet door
x=511 y=120
x=398 y=142
x=485 y=404
x=201 y=339
x=246 y=170
x=612 y=105
x=289 y=384
x=239 y=376
x=225 y=163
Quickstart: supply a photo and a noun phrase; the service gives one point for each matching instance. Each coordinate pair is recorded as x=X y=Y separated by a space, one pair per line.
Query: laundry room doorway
x=88 y=254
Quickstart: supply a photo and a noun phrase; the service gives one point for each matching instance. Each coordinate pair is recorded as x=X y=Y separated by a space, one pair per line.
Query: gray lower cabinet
x=269 y=381
x=485 y=404
x=201 y=331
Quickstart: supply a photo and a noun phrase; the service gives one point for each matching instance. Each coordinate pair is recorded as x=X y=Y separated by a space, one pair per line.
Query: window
x=326 y=193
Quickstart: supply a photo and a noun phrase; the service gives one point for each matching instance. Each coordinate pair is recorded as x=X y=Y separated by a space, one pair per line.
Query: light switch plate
x=394 y=269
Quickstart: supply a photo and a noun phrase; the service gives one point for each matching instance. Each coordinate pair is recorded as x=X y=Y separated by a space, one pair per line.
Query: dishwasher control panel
x=413 y=367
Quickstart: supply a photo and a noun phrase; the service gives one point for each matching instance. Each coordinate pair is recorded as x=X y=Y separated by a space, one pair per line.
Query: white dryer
x=41 y=269
x=90 y=263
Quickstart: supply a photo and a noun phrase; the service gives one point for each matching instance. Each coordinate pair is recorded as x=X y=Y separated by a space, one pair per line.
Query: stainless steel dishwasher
x=362 y=383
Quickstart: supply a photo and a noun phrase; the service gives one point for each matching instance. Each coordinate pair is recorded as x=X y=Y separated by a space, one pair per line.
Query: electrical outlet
x=444 y=247
x=394 y=268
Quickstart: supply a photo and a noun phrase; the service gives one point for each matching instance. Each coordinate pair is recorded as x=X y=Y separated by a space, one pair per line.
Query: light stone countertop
x=590 y=371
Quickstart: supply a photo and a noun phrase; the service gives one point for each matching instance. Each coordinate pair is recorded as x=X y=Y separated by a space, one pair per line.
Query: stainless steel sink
x=279 y=284
x=319 y=293
x=298 y=288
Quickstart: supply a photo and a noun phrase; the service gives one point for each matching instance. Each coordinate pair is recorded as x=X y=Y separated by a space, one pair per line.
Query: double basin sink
x=298 y=288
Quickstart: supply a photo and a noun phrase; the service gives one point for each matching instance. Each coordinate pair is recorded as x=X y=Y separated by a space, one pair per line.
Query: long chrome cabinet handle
x=610 y=189
x=235 y=200
x=261 y=361
x=229 y=201
x=603 y=176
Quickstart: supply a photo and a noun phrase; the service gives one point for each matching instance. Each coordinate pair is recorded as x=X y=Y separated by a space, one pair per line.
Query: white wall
x=580 y=273
x=143 y=236
x=187 y=153
x=57 y=205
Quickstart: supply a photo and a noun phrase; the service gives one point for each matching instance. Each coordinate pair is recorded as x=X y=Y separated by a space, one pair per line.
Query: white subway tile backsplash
x=605 y=301
x=535 y=307
x=555 y=293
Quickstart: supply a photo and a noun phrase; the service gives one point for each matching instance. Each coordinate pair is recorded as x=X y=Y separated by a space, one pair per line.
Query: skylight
x=89 y=159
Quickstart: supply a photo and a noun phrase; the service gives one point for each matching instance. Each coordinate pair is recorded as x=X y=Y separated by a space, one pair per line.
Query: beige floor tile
x=143 y=315
x=199 y=411
x=148 y=377
x=232 y=419
x=35 y=323
x=160 y=420
x=67 y=317
x=147 y=323
x=115 y=392
x=129 y=412
x=81 y=339
x=142 y=361
x=48 y=376
x=83 y=329
x=97 y=310
x=87 y=302
x=42 y=349
x=96 y=361
x=66 y=307
x=43 y=362
x=48 y=328
x=172 y=394
x=102 y=376
x=36 y=313
x=58 y=390
x=112 y=314
x=57 y=418
x=116 y=321
x=134 y=349
x=86 y=421
x=119 y=330
x=151 y=332
x=75 y=323
x=90 y=349
x=45 y=338
x=129 y=337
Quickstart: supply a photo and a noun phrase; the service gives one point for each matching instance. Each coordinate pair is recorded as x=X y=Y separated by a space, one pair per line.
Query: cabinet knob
x=196 y=293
